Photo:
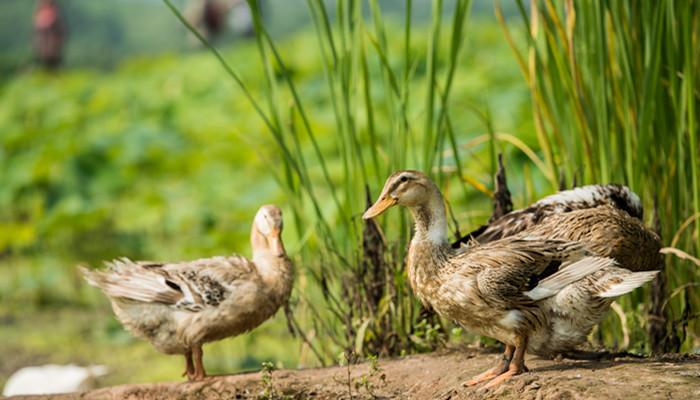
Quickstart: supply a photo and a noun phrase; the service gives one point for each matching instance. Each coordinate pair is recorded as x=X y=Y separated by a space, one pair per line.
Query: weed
x=375 y=376
x=367 y=381
x=348 y=359
x=269 y=392
x=369 y=308
x=431 y=335
x=608 y=93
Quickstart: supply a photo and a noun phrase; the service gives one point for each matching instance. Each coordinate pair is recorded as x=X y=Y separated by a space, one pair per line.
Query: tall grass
x=360 y=276
x=594 y=73
x=615 y=86
x=357 y=296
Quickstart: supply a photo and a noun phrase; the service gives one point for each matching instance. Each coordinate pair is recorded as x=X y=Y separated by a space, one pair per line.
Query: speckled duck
x=537 y=295
x=180 y=306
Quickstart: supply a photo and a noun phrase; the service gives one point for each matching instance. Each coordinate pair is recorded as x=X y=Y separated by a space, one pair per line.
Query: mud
x=439 y=376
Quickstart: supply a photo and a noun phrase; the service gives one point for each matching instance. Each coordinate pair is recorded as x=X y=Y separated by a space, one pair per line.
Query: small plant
x=347 y=358
x=366 y=381
x=429 y=335
x=369 y=381
x=269 y=392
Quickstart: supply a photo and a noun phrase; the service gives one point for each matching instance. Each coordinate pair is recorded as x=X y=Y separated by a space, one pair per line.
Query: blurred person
x=49 y=33
x=212 y=18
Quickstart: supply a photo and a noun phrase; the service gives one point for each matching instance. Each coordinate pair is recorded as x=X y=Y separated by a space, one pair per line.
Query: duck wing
x=615 y=195
x=193 y=285
x=516 y=271
x=608 y=232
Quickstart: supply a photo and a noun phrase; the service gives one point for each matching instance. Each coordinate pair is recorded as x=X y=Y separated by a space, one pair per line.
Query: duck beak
x=276 y=246
x=384 y=202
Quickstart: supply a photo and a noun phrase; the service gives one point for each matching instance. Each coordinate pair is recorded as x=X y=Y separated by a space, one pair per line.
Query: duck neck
x=277 y=272
x=429 y=248
x=431 y=222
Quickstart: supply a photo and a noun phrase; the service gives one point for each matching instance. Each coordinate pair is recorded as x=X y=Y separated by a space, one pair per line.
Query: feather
x=568 y=274
x=582 y=198
x=630 y=282
x=146 y=286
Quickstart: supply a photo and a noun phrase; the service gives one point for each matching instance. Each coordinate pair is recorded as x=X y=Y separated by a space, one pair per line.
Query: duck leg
x=500 y=368
x=195 y=371
x=199 y=373
x=189 y=366
x=516 y=368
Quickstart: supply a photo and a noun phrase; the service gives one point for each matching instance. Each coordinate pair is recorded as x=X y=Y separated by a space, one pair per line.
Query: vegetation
x=615 y=88
x=367 y=306
x=370 y=382
x=154 y=161
x=375 y=309
x=269 y=392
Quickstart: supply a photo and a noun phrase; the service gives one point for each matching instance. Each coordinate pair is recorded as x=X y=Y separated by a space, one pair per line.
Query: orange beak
x=276 y=246
x=384 y=202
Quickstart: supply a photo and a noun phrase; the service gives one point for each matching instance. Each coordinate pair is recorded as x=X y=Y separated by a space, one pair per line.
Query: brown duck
x=180 y=306
x=537 y=295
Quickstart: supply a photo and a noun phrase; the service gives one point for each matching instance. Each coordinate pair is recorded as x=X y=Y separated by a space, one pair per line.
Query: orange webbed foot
x=195 y=370
x=504 y=370
x=200 y=377
x=513 y=370
x=495 y=371
x=484 y=376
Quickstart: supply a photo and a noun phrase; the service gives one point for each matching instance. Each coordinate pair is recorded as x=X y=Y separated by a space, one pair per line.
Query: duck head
x=267 y=230
x=406 y=188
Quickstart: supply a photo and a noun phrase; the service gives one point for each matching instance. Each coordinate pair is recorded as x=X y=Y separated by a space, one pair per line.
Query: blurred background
x=122 y=135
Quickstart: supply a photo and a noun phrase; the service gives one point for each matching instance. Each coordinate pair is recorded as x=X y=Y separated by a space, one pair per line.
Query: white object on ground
x=52 y=378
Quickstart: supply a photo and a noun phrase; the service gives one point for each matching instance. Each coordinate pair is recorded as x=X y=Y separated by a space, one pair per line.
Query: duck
x=182 y=305
x=581 y=198
x=537 y=295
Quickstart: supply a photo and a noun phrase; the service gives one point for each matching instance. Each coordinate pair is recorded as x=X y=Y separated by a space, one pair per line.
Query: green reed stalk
x=431 y=57
x=615 y=86
x=357 y=64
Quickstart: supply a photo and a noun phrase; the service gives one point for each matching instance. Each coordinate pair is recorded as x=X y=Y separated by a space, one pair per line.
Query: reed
x=605 y=94
x=614 y=87
x=358 y=300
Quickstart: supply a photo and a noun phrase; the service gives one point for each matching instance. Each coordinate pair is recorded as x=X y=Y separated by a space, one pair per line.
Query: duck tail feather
x=630 y=282
x=144 y=286
x=569 y=272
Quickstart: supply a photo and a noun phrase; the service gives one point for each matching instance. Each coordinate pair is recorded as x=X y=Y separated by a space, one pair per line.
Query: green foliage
x=371 y=381
x=429 y=336
x=153 y=161
x=616 y=87
x=335 y=199
x=325 y=172
x=269 y=392
x=375 y=376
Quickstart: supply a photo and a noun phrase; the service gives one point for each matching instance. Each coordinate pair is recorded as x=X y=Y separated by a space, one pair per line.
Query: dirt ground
x=439 y=376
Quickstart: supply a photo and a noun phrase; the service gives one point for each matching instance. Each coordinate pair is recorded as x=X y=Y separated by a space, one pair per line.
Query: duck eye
x=403 y=178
